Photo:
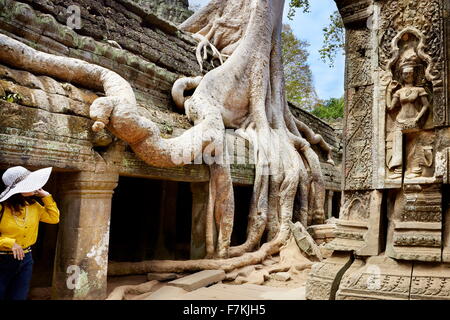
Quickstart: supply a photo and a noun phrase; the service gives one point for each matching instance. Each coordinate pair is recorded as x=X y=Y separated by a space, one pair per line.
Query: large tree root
x=127 y=268
x=246 y=93
x=121 y=293
x=290 y=260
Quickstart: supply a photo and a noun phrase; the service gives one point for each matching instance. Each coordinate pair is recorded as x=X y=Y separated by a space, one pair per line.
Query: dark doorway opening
x=336 y=204
x=150 y=219
x=242 y=200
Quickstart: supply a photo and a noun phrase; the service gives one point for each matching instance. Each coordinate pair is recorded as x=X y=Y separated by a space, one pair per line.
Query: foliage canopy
x=298 y=76
x=331 y=109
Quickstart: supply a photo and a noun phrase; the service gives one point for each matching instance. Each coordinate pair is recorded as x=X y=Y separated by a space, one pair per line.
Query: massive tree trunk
x=246 y=93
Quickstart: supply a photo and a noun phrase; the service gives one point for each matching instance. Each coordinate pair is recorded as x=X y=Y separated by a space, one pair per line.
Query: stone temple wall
x=45 y=122
x=175 y=11
x=392 y=234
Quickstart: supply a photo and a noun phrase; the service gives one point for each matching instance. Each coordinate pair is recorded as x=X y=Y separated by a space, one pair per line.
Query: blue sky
x=329 y=82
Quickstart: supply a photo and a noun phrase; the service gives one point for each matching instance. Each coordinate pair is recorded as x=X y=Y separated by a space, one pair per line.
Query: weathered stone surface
x=376 y=278
x=304 y=241
x=199 y=279
x=281 y=276
x=148 y=52
x=430 y=282
x=176 y=11
x=446 y=237
x=322 y=233
x=415 y=224
x=358 y=227
x=83 y=240
x=396 y=150
x=332 y=174
x=325 y=276
x=200 y=196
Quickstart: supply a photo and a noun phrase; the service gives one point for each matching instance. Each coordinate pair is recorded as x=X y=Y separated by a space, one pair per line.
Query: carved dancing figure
x=414 y=103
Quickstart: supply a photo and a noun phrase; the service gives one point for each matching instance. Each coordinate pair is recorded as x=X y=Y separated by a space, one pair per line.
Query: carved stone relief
x=358 y=226
x=358 y=132
x=396 y=145
x=358 y=137
x=359 y=52
x=424 y=17
x=411 y=56
x=376 y=278
x=430 y=282
x=323 y=275
x=415 y=223
x=409 y=95
x=355 y=12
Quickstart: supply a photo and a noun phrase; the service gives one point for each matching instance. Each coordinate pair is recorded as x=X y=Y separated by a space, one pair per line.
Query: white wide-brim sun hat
x=21 y=180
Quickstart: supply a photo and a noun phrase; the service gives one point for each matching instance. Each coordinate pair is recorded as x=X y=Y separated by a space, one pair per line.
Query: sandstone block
x=281 y=276
x=199 y=279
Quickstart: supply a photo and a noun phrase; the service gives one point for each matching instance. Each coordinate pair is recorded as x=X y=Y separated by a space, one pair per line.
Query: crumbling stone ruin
x=108 y=103
x=103 y=102
x=392 y=234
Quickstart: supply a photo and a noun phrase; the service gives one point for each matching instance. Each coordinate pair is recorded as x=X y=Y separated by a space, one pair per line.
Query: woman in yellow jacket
x=20 y=214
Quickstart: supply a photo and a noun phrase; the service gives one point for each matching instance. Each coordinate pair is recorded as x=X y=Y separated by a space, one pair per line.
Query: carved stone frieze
x=430 y=282
x=354 y=11
x=322 y=282
x=377 y=278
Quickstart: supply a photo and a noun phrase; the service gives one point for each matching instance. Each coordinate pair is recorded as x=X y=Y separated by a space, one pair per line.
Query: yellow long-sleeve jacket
x=23 y=229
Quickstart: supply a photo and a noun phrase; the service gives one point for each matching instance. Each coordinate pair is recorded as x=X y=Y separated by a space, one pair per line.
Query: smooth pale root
x=119 y=292
x=245 y=93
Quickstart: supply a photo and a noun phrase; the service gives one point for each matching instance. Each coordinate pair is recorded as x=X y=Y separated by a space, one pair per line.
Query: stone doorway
x=150 y=219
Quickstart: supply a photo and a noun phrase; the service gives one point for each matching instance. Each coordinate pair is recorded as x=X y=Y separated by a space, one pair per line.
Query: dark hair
x=17 y=201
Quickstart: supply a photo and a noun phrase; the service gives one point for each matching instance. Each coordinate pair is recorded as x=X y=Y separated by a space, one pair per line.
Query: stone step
x=199 y=280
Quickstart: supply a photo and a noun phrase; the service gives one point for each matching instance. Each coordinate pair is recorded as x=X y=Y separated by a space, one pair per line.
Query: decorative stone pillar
x=81 y=261
x=329 y=204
